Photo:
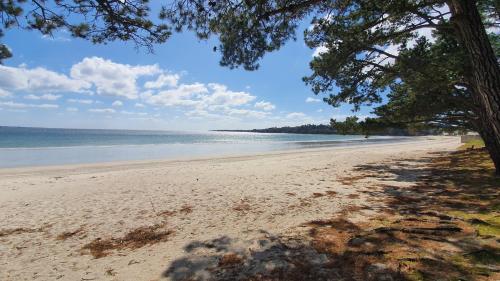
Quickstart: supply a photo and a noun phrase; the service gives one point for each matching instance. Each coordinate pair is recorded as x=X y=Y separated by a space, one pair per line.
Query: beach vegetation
x=477 y=143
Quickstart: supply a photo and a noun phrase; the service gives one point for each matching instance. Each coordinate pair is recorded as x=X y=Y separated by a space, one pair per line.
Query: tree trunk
x=492 y=147
x=485 y=71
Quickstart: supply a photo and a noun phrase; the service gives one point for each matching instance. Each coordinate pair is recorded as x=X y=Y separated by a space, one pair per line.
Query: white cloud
x=203 y=114
x=45 y=105
x=42 y=97
x=296 y=115
x=32 y=97
x=117 y=103
x=184 y=95
x=11 y=104
x=247 y=113
x=102 y=110
x=81 y=101
x=55 y=38
x=311 y=100
x=38 y=79
x=267 y=106
x=319 y=50
x=59 y=36
x=221 y=96
x=4 y=93
x=163 y=80
x=208 y=101
x=319 y=110
x=133 y=113
x=99 y=76
x=110 y=78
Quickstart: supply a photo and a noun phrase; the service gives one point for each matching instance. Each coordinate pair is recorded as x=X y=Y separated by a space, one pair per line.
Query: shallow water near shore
x=20 y=147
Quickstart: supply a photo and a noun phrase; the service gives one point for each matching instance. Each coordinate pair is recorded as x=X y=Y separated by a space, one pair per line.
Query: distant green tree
x=350 y=126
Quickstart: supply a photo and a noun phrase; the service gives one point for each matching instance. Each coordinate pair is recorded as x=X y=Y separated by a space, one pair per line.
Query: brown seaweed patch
x=242 y=206
x=317 y=194
x=67 y=234
x=351 y=209
x=137 y=238
x=352 y=179
x=21 y=230
x=331 y=193
x=166 y=213
x=230 y=259
x=353 y=196
x=186 y=209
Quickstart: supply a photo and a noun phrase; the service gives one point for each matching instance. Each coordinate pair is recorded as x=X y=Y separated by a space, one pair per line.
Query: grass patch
x=486 y=223
x=472 y=144
x=486 y=255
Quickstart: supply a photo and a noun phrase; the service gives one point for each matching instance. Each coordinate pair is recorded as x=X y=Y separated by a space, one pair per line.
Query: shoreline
x=306 y=147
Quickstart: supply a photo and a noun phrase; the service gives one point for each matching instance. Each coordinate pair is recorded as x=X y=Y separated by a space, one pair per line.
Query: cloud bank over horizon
x=109 y=89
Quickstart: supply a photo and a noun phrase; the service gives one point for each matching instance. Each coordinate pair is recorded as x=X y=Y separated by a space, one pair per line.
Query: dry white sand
x=240 y=198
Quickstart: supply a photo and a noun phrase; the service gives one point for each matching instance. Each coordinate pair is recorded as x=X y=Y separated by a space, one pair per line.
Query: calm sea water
x=42 y=146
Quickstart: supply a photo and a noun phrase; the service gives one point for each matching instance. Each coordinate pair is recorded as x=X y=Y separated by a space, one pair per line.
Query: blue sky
x=61 y=81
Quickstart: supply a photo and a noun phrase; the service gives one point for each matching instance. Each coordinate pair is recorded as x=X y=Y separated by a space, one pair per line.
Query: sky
x=63 y=82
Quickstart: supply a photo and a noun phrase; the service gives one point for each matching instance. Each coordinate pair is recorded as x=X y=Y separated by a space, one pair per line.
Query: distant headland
x=329 y=130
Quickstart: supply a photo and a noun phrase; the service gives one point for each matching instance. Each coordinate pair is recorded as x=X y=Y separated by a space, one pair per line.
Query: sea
x=25 y=147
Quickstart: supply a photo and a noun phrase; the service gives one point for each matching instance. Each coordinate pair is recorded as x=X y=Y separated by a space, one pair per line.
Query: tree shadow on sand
x=461 y=181
x=271 y=258
x=444 y=227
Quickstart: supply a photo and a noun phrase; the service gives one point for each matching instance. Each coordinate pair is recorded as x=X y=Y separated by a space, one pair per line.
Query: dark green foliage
x=246 y=29
x=349 y=126
x=380 y=127
x=432 y=89
x=5 y=53
x=99 y=21
x=303 y=129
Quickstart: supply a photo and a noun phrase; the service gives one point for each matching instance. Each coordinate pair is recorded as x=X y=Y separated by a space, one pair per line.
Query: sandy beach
x=81 y=222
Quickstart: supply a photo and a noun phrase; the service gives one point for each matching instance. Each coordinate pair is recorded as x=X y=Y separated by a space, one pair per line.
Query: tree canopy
x=99 y=21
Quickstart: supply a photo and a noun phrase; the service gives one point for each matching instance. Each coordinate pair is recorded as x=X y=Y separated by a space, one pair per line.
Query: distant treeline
x=303 y=129
x=326 y=129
